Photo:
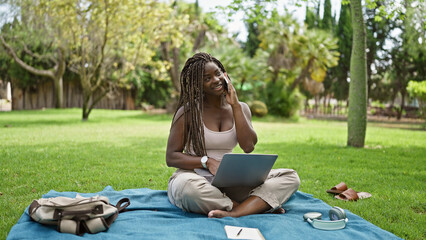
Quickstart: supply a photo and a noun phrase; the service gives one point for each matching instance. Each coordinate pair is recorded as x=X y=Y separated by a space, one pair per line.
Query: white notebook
x=233 y=232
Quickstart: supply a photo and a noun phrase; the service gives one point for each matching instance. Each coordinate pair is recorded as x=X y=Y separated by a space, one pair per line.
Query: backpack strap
x=120 y=205
x=60 y=213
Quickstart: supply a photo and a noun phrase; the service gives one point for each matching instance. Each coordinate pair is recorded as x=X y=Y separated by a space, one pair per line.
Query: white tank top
x=219 y=143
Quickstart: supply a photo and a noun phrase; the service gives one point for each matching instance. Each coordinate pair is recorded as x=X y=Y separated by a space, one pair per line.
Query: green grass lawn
x=54 y=149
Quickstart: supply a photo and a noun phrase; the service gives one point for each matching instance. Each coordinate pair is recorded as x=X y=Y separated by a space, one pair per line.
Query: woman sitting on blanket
x=209 y=122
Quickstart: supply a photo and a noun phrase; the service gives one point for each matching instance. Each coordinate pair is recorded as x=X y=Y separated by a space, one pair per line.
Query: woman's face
x=213 y=80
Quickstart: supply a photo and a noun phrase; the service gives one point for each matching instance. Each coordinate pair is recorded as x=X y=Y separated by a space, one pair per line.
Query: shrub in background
x=258 y=108
x=150 y=90
x=418 y=91
x=283 y=102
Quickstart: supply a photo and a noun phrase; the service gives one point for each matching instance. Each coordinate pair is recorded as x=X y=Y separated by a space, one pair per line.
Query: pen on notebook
x=239 y=232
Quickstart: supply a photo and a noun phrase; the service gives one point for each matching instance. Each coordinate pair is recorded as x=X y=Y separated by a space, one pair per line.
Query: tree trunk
x=175 y=68
x=199 y=40
x=316 y=104
x=174 y=62
x=59 y=92
x=357 y=114
x=58 y=80
x=85 y=108
x=275 y=76
x=55 y=74
x=85 y=114
x=402 y=107
x=303 y=75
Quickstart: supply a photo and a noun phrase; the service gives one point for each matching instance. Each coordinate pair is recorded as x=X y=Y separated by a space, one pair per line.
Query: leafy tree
x=194 y=30
x=5 y=63
x=255 y=12
x=293 y=48
x=301 y=55
x=327 y=19
x=56 y=73
x=327 y=25
x=408 y=55
x=340 y=86
x=10 y=71
x=310 y=19
x=170 y=49
x=335 y=83
x=103 y=47
x=252 y=43
x=35 y=26
x=317 y=13
x=377 y=56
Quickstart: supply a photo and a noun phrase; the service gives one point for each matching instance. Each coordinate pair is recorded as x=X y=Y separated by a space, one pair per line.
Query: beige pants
x=193 y=193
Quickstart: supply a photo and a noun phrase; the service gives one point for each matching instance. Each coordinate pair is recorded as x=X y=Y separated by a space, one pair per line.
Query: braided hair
x=191 y=98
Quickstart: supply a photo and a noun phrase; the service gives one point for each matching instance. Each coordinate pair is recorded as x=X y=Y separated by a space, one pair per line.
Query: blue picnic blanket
x=154 y=217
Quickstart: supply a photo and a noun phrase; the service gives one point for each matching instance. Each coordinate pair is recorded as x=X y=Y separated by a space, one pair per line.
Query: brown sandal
x=352 y=195
x=339 y=188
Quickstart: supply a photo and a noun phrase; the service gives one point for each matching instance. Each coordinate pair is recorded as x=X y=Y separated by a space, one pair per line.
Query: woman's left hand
x=231 y=95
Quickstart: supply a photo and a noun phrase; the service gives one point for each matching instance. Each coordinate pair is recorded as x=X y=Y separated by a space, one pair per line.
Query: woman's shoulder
x=180 y=112
x=245 y=107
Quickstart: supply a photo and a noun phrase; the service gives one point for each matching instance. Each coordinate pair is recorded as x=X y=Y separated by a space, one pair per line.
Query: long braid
x=191 y=98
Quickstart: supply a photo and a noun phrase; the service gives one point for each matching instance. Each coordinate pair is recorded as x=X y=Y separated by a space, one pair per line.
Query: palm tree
x=315 y=50
x=305 y=53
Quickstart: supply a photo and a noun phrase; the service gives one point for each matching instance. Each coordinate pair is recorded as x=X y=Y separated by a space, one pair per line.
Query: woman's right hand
x=213 y=165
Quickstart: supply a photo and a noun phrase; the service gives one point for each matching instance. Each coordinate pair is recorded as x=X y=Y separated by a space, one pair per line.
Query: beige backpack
x=77 y=215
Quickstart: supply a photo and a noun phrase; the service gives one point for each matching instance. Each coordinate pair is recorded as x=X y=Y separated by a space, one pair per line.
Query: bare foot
x=279 y=210
x=219 y=214
x=252 y=205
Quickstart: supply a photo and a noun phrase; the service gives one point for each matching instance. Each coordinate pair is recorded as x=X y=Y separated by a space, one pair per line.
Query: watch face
x=204 y=161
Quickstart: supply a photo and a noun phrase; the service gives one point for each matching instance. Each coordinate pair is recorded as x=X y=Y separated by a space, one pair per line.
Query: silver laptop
x=240 y=170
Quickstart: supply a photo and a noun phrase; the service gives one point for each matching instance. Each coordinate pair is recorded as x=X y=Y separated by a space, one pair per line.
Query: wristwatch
x=204 y=161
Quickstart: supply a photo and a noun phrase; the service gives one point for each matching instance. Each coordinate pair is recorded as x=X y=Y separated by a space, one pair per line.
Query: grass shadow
x=392 y=123
x=59 y=117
